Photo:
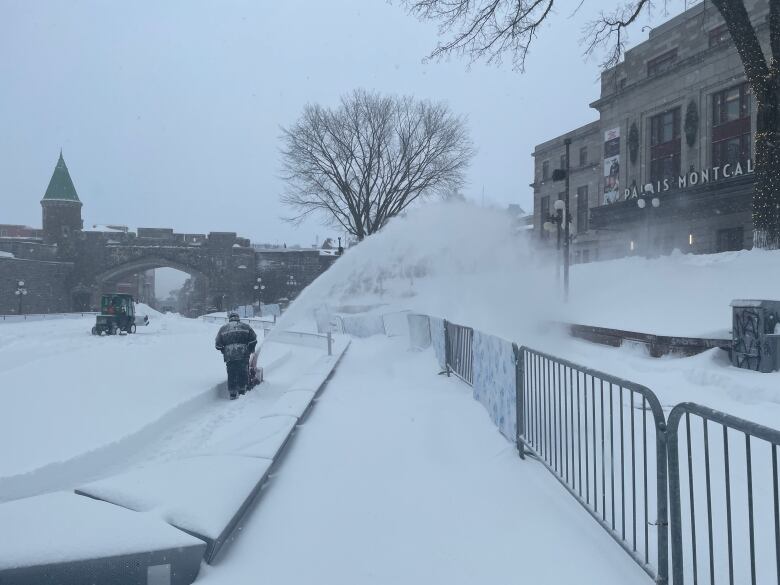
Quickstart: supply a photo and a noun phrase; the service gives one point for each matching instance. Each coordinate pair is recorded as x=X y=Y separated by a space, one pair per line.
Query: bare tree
x=489 y=29
x=366 y=161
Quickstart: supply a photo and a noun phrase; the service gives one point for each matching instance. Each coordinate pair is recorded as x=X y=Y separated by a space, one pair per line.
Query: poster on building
x=612 y=165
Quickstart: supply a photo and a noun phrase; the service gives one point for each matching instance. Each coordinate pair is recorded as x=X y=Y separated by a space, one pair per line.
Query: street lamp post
x=291 y=284
x=20 y=292
x=563 y=175
x=566 y=239
x=555 y=222
x=641 y=203
x=556 y=219
x=259 y=288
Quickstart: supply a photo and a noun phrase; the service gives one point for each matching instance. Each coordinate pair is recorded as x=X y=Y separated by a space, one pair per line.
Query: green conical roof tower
x=61 y=185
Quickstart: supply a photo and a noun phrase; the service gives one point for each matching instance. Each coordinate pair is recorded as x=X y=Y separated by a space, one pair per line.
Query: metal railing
x=714 y=520
x=458 y=345
x=44 y=316
x=604 y=439
x=305 y=338
x=723 y=491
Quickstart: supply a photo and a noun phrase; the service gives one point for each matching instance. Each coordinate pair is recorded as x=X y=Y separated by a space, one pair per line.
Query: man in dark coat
x=236 y=341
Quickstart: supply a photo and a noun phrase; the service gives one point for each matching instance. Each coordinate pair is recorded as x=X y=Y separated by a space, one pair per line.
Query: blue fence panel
x=419 y=331
x=437 y=340
x=495 y=379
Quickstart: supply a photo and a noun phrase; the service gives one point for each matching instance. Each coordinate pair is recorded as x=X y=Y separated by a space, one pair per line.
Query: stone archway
x=81 y=299
x=144 y=263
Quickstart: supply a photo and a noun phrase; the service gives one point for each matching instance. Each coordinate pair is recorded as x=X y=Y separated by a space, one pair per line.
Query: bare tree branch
x=368 y=160
x=489 y=29
x=607 y=32
x=485 y=29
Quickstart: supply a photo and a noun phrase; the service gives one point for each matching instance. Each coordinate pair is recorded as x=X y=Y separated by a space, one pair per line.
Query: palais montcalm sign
x=692 y=179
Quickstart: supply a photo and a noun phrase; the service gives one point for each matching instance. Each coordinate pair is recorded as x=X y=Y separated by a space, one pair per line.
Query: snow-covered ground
x=76 y=407
x=399 y=476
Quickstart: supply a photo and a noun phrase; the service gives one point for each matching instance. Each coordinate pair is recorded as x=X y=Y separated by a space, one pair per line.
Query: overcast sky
x=168 y=113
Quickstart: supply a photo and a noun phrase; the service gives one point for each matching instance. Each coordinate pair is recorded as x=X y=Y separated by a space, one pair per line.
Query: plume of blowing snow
x=456 y=260
x=468 y=264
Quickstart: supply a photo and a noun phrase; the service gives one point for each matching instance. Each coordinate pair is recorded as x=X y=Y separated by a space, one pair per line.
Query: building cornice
x=693 y=60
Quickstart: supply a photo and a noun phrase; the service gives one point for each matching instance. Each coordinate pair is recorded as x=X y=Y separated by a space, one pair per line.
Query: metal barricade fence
x=305 y=338
x=44 y=316
x=672 y=496
x=723 y=491
x=604 y=439
x=459 y=351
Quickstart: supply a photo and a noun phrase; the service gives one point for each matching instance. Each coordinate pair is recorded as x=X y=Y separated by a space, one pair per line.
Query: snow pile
x=450 y=259
x=6 y=254
x=198 y=494
x=681 y=294
x=144 y=309
x=42 y=530
x=467 y=264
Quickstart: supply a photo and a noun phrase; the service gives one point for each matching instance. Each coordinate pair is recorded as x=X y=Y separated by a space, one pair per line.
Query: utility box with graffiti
x=756 y=335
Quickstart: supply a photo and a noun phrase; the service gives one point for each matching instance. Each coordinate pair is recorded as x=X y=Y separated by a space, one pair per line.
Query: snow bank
x=144 y=309
x=63 y=527
x=467 y=264
x=681 y=294
x=455 y=260
x=198 y=494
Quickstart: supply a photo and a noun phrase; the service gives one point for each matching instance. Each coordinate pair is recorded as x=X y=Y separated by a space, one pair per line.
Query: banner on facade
x=612 y=165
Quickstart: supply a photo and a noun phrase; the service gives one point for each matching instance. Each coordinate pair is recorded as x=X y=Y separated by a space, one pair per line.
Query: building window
x=563 y=162
x=582 y=209
x=585 y=256
x=731 y=126
x=731 y=239
x=545 y=170
x=665 y=145
x=719 y=36
x=544 y=212
x=583 y=156
x=661 y=63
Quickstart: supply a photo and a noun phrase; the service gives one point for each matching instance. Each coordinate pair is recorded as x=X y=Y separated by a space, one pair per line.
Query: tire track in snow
x=178 y=432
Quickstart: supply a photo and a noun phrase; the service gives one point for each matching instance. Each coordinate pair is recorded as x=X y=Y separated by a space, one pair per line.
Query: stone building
x=8 y=230
x=668 y=164
x=66 y=267
x=286 y=271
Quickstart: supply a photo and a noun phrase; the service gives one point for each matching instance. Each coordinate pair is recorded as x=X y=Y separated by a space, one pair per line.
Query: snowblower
x=255 y=372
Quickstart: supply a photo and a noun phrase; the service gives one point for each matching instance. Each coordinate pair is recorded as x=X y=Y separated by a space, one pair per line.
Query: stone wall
x=276 y=266
x=29 y=249
x=226 y=266
x=46 y=284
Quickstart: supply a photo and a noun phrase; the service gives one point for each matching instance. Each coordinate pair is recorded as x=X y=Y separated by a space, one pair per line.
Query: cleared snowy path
x=76 y=408
x=398 y=476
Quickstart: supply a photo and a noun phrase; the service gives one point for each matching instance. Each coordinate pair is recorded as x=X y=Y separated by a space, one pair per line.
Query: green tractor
x=117 y=315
